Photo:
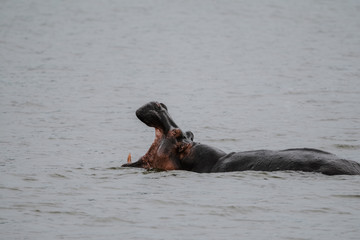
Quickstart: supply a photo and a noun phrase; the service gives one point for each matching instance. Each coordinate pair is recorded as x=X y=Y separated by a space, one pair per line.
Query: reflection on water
x=239 y=75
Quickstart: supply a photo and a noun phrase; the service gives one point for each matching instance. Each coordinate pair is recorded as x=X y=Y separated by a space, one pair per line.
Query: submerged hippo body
x=174 y=149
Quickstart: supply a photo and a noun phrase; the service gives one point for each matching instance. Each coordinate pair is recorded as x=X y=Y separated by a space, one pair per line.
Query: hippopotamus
x=174 y=149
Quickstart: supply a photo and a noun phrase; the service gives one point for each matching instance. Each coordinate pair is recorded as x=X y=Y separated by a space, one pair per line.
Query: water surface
x=241 y=75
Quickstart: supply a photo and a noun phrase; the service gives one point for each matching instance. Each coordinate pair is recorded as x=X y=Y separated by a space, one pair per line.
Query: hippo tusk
x=129 y=158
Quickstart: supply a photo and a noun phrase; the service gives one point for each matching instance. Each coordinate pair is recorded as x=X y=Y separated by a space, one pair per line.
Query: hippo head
x=171 y=144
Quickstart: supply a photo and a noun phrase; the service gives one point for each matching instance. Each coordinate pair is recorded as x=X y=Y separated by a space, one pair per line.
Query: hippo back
x=304 y=159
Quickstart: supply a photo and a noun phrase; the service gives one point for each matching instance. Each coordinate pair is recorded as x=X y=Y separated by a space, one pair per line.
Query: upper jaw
x=155 y=115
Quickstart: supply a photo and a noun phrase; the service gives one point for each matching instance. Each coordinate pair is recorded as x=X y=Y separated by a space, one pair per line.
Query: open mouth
x=170 y=141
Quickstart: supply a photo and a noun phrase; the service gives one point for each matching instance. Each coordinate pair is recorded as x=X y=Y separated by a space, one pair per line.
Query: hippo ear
x=164 y=106
x=190 y=135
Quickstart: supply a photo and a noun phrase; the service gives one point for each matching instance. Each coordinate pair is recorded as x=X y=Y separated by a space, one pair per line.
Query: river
x=241 y=75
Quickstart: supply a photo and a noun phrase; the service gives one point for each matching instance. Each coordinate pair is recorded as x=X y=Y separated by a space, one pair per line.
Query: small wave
x=115 y=168
x=347 y=146
x=348 y=195
x=318 y=210
x=113 y=219
x=10 y=188
x=30 y=179
x=57 y=175
x=72 y=213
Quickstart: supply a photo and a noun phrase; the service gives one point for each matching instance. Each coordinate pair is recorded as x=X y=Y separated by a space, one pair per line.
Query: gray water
x=241 y=75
